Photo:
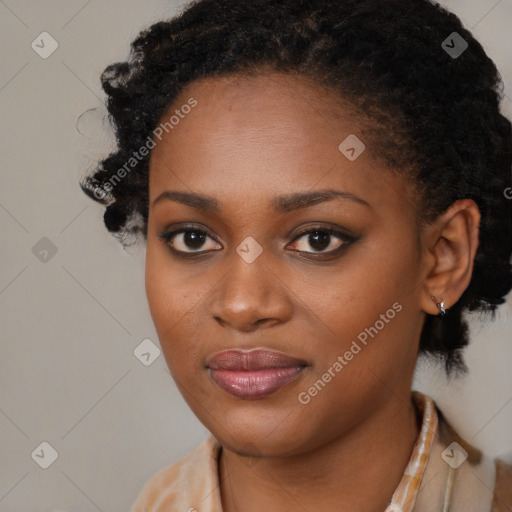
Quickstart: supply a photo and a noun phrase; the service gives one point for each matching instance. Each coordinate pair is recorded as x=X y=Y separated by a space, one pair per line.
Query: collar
x=430 y=480
x=404 y=497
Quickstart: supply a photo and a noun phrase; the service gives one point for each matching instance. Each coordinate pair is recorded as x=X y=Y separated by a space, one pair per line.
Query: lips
x=253 y=374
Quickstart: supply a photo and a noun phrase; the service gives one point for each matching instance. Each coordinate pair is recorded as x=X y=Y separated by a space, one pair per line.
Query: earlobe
x=452 y=244
x=441 y=306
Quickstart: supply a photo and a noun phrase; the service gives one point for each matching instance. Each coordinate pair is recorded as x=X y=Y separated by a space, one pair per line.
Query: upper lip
x=255 y=359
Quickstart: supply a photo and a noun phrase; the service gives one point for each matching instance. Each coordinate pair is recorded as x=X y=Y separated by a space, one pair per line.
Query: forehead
x=264 y=135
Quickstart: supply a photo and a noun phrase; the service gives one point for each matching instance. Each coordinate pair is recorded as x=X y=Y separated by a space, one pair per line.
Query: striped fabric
x=405 y=494
x=429 y=483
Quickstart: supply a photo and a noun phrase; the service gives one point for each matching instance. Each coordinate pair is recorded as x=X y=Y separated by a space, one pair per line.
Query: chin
x=253 y=433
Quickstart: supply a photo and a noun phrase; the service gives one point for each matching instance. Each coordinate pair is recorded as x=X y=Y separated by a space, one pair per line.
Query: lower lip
x=252 y=385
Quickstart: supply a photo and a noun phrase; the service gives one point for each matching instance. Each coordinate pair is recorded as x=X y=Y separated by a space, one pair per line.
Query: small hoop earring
x=440 y=306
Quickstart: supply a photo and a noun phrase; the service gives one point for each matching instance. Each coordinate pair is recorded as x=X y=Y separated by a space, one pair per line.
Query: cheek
x=174 y=300
x=367 y=311
x=159 y=288
x=365 y=285
x=167 y=288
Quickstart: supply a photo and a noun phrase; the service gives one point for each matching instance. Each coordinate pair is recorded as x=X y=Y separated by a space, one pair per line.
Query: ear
x=450 y=244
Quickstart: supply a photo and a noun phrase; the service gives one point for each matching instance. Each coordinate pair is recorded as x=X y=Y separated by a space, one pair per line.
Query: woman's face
x=335 y=317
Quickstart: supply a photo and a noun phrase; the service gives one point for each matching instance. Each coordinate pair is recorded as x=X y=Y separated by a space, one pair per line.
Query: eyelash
x=344 y=237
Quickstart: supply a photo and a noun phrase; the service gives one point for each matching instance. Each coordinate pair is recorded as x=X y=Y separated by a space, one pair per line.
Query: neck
x=361 y=468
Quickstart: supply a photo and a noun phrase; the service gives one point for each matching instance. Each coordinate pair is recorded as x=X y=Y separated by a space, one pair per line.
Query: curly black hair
x=435 y=114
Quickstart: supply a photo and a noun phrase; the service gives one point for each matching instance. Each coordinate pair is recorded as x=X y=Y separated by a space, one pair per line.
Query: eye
x=187 y=240
x=321 y=239
x=192 y=241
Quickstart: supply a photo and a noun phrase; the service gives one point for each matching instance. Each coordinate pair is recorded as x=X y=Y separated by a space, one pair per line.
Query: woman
x=322 y=189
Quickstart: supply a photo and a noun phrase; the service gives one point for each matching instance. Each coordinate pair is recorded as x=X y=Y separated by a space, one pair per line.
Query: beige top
x=444 y=474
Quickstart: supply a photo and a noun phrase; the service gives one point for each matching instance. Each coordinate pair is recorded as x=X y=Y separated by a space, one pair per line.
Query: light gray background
x=69 y=326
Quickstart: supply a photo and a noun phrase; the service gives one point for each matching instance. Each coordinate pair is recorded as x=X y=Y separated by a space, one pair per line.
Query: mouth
x=253 y=374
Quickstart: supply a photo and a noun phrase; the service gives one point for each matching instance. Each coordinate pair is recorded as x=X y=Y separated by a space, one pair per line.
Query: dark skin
x=248 y=141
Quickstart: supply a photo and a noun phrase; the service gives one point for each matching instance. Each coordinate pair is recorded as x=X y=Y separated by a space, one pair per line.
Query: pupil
x=319 y=241
x=193 y=239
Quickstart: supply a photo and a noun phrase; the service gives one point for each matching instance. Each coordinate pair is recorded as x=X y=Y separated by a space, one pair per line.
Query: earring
x=440 y=305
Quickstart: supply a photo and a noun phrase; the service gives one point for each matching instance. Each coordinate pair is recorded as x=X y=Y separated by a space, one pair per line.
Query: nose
x=251 y=295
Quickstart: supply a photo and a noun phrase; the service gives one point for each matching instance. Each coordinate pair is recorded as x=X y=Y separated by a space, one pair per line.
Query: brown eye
x=187 y=240
x=320 y=239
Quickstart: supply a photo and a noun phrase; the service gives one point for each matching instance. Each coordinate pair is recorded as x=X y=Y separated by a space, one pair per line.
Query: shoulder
x=479 y=482
x=459 y=476
x=189 y=484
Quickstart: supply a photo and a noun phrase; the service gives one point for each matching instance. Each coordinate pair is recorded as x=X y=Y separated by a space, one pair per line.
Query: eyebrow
x=282 y=204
